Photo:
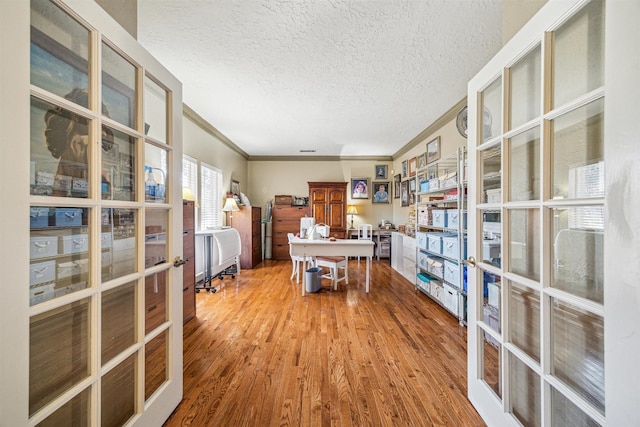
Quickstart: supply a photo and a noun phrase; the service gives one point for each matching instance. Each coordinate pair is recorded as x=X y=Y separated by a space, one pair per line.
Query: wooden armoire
x=328 y=205
x=248 y=222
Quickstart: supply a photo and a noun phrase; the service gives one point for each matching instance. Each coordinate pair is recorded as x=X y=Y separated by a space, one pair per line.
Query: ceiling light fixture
x=307 y=151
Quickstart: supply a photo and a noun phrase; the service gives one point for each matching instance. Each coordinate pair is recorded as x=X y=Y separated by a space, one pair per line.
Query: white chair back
x=365 y=232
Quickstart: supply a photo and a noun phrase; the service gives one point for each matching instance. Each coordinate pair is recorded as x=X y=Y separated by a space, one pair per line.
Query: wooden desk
x=346 y=247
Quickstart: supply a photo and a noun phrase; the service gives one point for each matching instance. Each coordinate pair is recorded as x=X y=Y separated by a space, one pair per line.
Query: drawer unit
x=76 y=243
x=68 y=217
x=452 y=273
x=43 y=246
x=421 y=240
x=38 y=294
x=439 y=217
x=39 y=217
x=68 y=269
x=456 y=219
x=450 y=247
x=42 y=272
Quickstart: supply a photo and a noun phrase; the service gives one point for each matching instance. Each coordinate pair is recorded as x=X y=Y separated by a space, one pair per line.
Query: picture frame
x=412 y=185
x=381 y=172
x=381 y=192
x=413 y=166
x=433 y=150
x=405 y=168
x=422 y=161
x=359 y=188
x=396 y=186
x=404 y=193
x=432 y=172
x=235 y=187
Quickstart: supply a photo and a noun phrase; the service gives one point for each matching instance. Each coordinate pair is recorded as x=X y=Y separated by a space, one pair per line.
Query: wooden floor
x=260 y=354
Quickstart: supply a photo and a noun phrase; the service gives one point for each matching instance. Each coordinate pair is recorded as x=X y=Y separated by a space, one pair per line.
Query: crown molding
x=451 y=114
x=207 y=127
x=318 y=158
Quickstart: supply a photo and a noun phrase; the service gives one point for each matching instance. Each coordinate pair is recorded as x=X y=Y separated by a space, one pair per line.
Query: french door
x=544 y=239
x=91 y=301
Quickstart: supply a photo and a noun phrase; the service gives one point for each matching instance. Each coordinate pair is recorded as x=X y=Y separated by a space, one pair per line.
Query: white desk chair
x=296 y=260
x=334 y=264
x=365 y=232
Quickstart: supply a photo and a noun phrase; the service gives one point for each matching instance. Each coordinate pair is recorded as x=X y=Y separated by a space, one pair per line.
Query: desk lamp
x=351 y=210
x=230 y=206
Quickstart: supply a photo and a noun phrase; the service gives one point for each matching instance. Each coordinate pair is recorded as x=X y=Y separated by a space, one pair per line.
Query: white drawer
x=450 y=299
x=453 y=219
x=422 y=260
x=42 y=272
x=450 y=247
x=434 y=243
x=76 y=243
x=421 y=239
x=43 y=246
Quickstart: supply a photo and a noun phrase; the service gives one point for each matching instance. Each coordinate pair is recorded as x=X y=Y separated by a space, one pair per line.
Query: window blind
x=211 y=197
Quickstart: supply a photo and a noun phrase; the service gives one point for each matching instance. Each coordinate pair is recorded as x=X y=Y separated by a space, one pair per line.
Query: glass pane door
x=538 y=321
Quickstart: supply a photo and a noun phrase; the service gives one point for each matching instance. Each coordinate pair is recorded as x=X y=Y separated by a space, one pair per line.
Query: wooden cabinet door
x=336 y=211
x=319 y=199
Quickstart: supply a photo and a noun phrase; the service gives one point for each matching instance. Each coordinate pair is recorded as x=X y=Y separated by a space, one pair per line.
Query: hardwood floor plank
x=260 y=354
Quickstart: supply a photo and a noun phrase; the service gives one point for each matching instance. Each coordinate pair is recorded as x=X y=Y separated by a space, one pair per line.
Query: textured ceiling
x=344 y=78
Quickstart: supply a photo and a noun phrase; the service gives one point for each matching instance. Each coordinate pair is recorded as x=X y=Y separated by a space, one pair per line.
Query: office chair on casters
x=334 y=264
x=365 y=232
x=297 y=260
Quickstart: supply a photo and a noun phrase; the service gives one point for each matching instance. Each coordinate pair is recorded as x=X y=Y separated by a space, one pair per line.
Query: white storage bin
x=450 y=299
x=421 y=240
x=43 y=246
x=434 y=242
x=450 y=247
x=454 y=218
x=436 y=289
x=435 y=267
x=439 y=217
x=105 y=240
x=452 y=273
x=424 y=215
x=68 y=269
x=76 y=243
x=422 y=260
x=38 y=294
x=42 y=272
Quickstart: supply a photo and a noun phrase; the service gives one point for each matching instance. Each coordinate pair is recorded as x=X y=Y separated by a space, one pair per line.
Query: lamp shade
x=352 y=210
x=230 y=205
x=187 y=194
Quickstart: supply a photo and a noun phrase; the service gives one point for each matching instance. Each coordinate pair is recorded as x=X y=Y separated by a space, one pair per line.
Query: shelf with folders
x=441 y=228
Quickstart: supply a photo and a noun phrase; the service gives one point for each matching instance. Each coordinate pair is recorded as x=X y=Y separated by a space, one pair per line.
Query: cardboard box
x=283 y=200
x=43 y=246
x=42 y=272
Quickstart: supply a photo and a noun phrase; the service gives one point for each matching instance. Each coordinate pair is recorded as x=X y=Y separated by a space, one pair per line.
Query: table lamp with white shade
x=351 y=210
x=230 y=206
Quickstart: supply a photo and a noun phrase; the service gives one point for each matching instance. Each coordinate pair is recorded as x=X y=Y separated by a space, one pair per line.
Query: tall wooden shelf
x=328 y=205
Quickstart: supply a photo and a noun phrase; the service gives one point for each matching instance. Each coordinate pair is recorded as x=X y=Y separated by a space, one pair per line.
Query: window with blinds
x=190 y=175
x=211 y=197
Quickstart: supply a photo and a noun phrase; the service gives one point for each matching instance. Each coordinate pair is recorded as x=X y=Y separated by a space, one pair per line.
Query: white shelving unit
x=441 y=230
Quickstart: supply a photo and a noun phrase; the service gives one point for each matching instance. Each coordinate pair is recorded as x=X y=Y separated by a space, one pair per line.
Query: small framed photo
x=381 y=192
x=413 y=163
x=381 y=172
x=235 y=187
x=433 y=150
x=412 y=185
x=359 y=188
x=404 y=193
x=432 y=172
x=405 y=168
x=396 y=186
x=422 y=161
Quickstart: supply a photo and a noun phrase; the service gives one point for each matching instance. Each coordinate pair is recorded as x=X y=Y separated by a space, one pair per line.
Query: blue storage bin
x=68 y=217
x=39 y=217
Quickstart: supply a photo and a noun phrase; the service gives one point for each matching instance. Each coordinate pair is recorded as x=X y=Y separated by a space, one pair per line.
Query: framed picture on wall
x=381 y=172
x=405 y=168
x=381 y=192
x=433 y=150
x=404 y=193
x=359 y=188
x=396 y=186
x=422 y=160
x=413 y=163
x=235 y=187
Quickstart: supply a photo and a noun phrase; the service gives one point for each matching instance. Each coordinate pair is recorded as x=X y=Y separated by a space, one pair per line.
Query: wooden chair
x=297 y=260
x=334 y=264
